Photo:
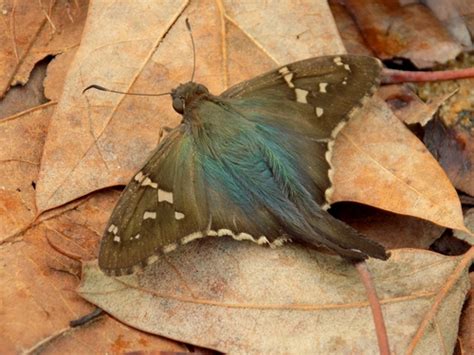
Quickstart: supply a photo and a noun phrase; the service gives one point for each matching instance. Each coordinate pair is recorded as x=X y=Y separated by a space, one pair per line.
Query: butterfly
x=251 y=163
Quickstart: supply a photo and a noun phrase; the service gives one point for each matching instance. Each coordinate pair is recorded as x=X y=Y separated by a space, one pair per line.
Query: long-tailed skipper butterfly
x=251 y=163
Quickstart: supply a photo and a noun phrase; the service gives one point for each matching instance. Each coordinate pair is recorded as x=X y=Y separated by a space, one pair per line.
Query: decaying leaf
x=409 y=31
x=21 y=140
x=241 y=298
x=379 y=162
x=32 y=30
x=39 y=274
x=453 y=146
x=408 y=107
x=392 y=230
x=469 y=223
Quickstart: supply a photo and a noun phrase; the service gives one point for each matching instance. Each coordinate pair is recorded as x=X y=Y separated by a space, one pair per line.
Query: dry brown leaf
x=350 y=34
x=242 y=298
x=379 y=162
x=457 y=16
x=108 y=336
x=32 y=30
x=392 y=230
x=21 y=138
x=466 y=331
x=408 y=107
x=454 y=148
x=410 y=31
x=22 y=98
x=469 y=223
x=39 y=277
x=56 y=74
x=144 y=47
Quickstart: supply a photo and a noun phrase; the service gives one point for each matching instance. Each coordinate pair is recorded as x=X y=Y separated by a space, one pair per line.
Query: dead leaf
x=144 y=47
x=21 y=138
x=242 y=298
x=56 y=74
x=392 y=230
x=457 y=17
x=32 y=30
x=454 y=148
x=466 y=332
x=379 y=162
x=348 y=30
x=39 y=275
x=408 y=107
x=469 y=223
x=411 y=31
x=22 y=98
x=107 y=336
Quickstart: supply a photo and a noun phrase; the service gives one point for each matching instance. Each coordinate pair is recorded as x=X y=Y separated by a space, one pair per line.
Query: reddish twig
x=375 y=306
x=392 y=76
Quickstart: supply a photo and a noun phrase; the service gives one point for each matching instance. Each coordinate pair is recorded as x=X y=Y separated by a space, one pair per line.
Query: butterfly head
x=184 y=95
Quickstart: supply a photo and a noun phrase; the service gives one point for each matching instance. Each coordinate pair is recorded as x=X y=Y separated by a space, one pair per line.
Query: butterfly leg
x=163 y=130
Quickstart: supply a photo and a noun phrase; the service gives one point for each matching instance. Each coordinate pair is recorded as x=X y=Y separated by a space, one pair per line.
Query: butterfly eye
x=178 y=104
x=201 y=89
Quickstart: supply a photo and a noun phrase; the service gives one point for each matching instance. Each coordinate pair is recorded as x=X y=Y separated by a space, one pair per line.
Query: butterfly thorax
x=186 y=94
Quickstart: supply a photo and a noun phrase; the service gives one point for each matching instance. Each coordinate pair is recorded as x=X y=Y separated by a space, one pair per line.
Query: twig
x=374 y=302
x=392 y=76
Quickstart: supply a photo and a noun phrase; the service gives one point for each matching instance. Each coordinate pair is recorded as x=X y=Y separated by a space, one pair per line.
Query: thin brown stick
x=375 y=306
x=392 y=76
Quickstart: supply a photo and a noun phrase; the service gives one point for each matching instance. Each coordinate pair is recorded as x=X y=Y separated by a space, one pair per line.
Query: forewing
x=162 y=204
x=327 y=89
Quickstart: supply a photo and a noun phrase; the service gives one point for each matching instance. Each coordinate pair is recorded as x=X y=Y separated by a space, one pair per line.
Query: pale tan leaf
x=242 y=298
x=379 y=162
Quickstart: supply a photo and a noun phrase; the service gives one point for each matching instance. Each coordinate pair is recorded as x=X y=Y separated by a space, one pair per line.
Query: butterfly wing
x=329 y=87
x=250 y=164
x=263 y=180
x=309 y=101
x=164 y=202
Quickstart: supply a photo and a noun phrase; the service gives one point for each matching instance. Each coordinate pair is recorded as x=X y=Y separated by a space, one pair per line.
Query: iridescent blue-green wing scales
x=307 y=103
x=163 y=203
x=258 y=172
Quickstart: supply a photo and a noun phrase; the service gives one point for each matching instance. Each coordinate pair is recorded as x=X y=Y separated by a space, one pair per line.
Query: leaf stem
x=375 y=306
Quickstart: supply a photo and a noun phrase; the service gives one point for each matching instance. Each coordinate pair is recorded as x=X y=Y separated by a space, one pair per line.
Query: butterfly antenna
x=188 y=26
x=101 y=88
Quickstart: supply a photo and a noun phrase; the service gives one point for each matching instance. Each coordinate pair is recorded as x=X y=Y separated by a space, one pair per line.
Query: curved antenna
x=188 y=26
x=101 y=88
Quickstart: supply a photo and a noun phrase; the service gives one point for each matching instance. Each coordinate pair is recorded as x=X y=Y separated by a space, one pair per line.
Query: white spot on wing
x=347 y=67
x=111 y=228
x=116 y=239
x=139 y=177
x=191 y=237
x=337 y=129
x=338 y=60
x=178 y=215
x=319 y=111
x=288 y=76
x=137 y=236
x=165 y=196
x=170 y=247
x=301 y=95
x=322 y=87
x=149 y=182
x=151 y=259
x=246 y=236
x=149 y=215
